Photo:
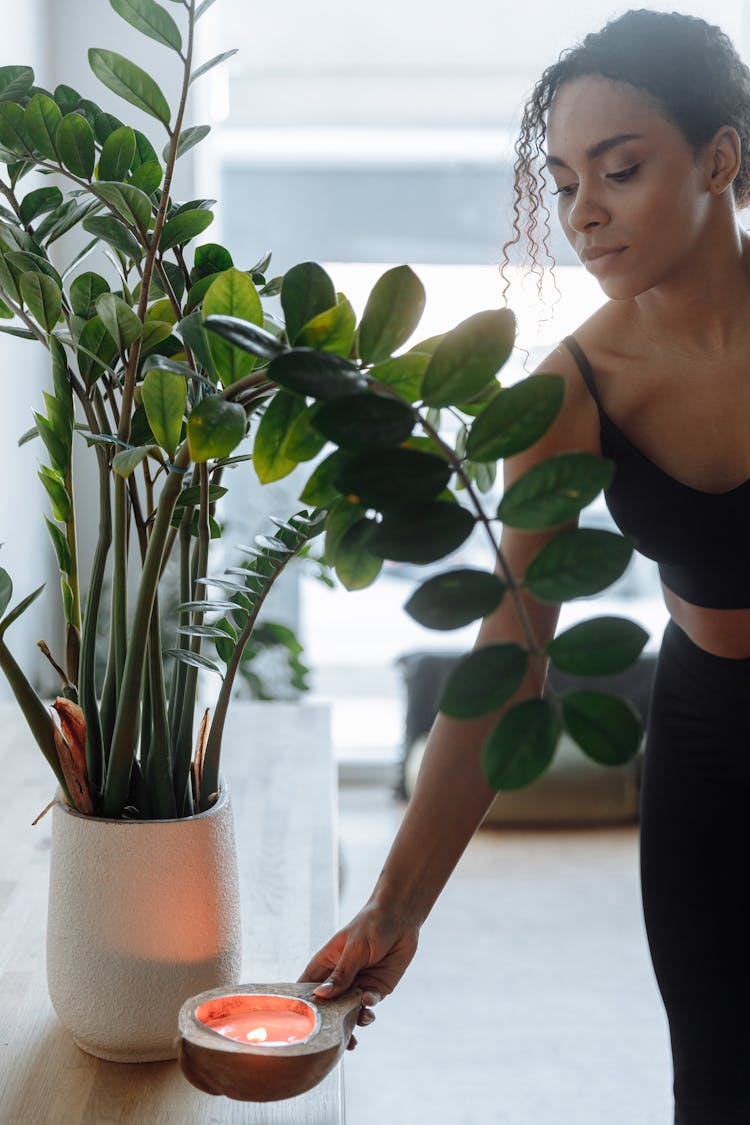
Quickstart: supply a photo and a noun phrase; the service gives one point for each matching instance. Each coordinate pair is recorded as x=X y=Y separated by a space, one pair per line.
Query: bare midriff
x=723 y=632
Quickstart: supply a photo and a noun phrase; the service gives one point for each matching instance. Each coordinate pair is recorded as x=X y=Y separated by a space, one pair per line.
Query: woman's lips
x=599 y=260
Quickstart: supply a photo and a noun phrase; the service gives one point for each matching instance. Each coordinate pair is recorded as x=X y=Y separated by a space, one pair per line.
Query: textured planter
x=142 y=915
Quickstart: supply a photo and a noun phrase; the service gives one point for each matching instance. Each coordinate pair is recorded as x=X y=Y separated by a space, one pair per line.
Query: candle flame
x=259 y=1035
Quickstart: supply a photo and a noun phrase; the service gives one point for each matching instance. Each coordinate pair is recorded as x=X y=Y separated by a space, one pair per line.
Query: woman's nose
x=587 y=213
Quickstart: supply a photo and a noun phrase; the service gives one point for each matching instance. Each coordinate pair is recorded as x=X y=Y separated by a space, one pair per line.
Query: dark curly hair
x=688 y=67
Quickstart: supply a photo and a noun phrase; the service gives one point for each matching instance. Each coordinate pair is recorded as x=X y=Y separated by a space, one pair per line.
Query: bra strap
x=584 y=367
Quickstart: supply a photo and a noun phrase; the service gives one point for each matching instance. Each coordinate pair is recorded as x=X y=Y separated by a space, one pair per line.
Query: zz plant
x=163 y=364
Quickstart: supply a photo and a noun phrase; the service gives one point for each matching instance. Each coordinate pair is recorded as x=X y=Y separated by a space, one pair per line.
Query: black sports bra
x=701 y=540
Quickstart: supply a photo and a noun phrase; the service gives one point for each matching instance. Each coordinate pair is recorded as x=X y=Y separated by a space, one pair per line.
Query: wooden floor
x=531 y=1000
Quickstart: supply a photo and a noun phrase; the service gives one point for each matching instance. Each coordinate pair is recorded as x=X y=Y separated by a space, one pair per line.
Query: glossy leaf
x=39 y=202
x=6 y=590
x=117 y=155
x=606 y=727
x=194 y=659
x=84 y=292
x=191 y=329
x=127 y=460
x=15 y=82
x=144 y=150
x=321 y=489
x=20 y=261
x=56 y=491
x=184 y=227
x=42 y=298
x=94 y=341
x=330 y=331
x=165 y=401
x=516 y=418
x=127 y=80
x=188 y=139
x=404 y=374
x=306 y=291
x=422 y=533
x=215 y=61
x=74 y=141
x=249 y=337
x=341 y=516
x=115 y=233
x=577 y=563
x=553 y=492
x=155 y=335
x=355 y=565
x=600 y=647
x=365 y=420
x=379 y=478
x=303 y=441
x=322 y=375
x=393 y=311
x=132 y=205
x=268 y=456
x=484 y=680
x=12 y=128
x=104 y=124
x=215 y=428
x=521 y=746
x=22 y=606
x=210 y=258
x=41 y=122
x=147 y=177
x=150 y=18
x=61 y=547
x=232 y=294
x=455 y=598
x=119 y=319
x=468 y=357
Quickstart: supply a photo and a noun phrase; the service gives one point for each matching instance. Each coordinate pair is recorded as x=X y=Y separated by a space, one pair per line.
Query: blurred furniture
x=278 y=761
x=574 y=790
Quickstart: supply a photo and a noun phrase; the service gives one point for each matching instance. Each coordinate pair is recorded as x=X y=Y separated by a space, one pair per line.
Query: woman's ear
x=724 y=155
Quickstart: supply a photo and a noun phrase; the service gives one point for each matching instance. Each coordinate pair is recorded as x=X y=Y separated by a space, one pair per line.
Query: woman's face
x=631 y=193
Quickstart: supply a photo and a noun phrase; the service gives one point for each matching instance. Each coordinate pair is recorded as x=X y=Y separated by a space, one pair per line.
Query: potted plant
x=163 y=360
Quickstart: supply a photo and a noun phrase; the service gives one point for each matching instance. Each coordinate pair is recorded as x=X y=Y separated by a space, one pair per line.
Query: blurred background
x=363 y=136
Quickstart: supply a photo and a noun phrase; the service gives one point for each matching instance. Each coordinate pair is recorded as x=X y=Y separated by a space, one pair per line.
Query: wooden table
x=278 y=760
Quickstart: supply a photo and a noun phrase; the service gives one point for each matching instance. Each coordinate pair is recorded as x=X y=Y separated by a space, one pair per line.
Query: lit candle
x=267 y=1021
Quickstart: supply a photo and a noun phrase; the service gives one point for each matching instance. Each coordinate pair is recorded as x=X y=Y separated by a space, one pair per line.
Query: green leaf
x=74 y=140
x=8 y=282
x=188 y=139
x=165 y=402
x=365 y=420
x=104 y=124
x=469 y=357
x=152 y=20
x=163 y=363
x=215 y=61
x=215 y=428
x=117 y=155
x=306 y=291
x=606 y=727
x=145 y=153
x=322 y=375
x=147 y=177
x=379 y=478
x=191 y=496
x=404 y=374
x=203 y=8
x=127 y=80
x=115 y=233
x=84 y=292
x=155 y=332
x=15 y=82
x=210 y=258
x=42 y=298
x=422 y=533
x=127 y=460
x=19 y=609
x=132 y=205
x=194 y=659
x=20 y=261
x=516 y=418
x=553 y=492
x=321 y=489
x=56 y=444
x=41 y=121
x=356 y=566
x=194 y=335
x=12 y=128
x=39 y=202
x=394 y=309
x=57 y=492
x=232 y=294
x=331 y=331
x=119 y=319
x=600 y=647
x=577 y=563
x=94 y=341
x=6 y=590
x=60 y=544
x=484 y=680
x=249 y=337
x=303 y=441
x=521 y=746
x=455 y=598
x=182 y=228
x=268 y=458
x=341 y=516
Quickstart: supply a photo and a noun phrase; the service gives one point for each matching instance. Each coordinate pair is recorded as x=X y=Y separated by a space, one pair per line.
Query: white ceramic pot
x=142 y=915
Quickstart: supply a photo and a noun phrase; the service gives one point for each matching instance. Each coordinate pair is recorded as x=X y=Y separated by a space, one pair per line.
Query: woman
x=644 y=129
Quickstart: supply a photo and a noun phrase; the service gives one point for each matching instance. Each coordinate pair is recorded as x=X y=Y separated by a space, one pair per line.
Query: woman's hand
x=371 y=952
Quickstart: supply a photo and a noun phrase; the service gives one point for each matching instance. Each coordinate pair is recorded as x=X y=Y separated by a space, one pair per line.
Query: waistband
x=676 y=643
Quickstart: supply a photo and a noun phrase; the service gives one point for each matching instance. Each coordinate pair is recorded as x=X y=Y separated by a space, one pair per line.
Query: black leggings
x=695 y=871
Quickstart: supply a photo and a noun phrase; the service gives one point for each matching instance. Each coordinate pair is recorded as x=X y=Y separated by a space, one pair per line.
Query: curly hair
x=689 y=68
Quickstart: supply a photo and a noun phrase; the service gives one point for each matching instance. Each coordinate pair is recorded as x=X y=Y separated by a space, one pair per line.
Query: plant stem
x=36 y=714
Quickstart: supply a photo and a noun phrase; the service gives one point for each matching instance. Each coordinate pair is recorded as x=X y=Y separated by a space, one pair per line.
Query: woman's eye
x=625 y=174
x=566 y=189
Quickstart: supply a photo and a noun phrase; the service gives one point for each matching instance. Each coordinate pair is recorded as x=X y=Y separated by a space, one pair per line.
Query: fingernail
x=324 y=988
x=366 y=1018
